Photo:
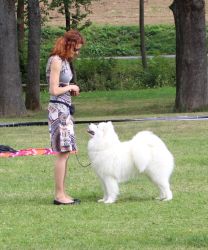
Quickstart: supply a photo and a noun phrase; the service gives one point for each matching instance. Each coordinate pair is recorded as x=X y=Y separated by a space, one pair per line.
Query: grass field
x=136 y=220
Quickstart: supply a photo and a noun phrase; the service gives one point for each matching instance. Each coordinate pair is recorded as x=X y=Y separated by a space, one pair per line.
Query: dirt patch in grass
x=125 y=12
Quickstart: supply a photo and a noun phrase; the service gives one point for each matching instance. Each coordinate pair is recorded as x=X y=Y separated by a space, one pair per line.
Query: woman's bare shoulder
x=56 y=61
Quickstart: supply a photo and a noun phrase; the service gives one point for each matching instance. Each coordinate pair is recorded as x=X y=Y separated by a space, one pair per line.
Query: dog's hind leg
x=112 y=189
x=165 y=192
x=163 y=185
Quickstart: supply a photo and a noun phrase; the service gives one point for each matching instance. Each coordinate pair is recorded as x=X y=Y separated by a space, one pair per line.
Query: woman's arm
x=54 y=88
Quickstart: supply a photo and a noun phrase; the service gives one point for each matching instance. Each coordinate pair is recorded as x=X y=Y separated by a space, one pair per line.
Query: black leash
x=167 y=118
x=82 y=165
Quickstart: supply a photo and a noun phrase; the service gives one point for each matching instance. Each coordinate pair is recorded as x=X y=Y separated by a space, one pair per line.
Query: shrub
x=95 y=73
x=110 y=74
x=104 y=74
x=160 y=72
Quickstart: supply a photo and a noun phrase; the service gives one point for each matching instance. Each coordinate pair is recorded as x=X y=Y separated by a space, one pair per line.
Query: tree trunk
x=191 y=58
x=11 y=101
x=142 y=33
x=67 y=5
x=21 y=34
x=67 y=14
x=33 y=73
x=20 y=23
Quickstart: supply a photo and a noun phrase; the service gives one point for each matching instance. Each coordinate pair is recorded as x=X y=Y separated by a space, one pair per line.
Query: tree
x=74 y=17
x=142 y=33
x=67 y=5
x=32 y=100
x=191 y=58
x=75 y=11
x=21 y=34
x=20 y=23
x=11 y=101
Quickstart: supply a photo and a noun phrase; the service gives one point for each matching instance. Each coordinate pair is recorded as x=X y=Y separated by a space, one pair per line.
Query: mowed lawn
x=136 y=221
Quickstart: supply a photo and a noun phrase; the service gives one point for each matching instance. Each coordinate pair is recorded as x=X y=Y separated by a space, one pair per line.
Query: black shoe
x=74 y=202
x=77 y=200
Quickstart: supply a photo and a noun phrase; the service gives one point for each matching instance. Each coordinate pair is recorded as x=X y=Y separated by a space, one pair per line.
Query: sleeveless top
x=64 y=78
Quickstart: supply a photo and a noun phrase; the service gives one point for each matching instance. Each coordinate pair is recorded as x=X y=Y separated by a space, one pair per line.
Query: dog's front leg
x=104 y=191
x=112 y=189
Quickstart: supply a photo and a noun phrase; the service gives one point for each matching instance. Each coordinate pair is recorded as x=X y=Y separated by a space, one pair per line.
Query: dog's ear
x=110 y=124
x=108 y=127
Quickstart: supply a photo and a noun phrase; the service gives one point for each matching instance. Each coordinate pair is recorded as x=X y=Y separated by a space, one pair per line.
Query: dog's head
x=92 y=129
x=100 y=129
x=103 y=136
x=104 y=130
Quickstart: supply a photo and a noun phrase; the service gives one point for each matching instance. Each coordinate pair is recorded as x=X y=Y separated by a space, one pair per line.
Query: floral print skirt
x=61 y=128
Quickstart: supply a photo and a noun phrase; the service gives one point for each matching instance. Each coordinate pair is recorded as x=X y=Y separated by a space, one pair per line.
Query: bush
x=105 y=74
x=160 y=72
x=110 y=74
x=95 y=73
x=118 y=40
x=124 y=40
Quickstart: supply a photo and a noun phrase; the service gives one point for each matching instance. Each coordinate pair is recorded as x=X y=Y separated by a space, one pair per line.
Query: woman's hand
x=74 y=90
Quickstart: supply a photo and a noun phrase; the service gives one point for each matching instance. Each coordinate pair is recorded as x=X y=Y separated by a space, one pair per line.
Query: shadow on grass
x=136 y=199
x=36 y=200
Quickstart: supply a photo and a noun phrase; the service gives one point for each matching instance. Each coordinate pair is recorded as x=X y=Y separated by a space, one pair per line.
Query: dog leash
x=82 y=165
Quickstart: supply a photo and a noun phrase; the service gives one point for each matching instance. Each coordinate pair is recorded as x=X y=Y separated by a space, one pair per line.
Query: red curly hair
x=65 y=46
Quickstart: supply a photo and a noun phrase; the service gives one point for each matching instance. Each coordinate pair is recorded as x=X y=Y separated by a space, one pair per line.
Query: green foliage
x=77 y=11
x=120 y=40
x=124 y=40
x=110 y=74
x=111 y=41
x=160 y=39
x=95 y=74
x=160 y=72
x=99 y=74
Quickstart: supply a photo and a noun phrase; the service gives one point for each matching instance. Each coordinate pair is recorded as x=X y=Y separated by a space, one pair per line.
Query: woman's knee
x=63 y=155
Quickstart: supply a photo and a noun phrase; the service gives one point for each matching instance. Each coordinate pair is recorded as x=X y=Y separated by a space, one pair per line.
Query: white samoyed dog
x=115 y=161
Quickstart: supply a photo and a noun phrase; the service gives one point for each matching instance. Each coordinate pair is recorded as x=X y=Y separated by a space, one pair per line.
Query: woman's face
x=76 y=50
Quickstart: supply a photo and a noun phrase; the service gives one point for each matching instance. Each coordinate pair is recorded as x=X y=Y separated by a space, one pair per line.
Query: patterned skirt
x=61 y=128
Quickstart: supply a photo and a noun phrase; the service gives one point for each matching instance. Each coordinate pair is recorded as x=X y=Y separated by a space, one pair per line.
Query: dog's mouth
x=91 y=132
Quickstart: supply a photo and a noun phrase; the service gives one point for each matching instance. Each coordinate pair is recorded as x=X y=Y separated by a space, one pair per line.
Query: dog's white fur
x=115 y=161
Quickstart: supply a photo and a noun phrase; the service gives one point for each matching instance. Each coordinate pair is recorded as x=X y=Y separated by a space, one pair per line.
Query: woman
x=59 y=75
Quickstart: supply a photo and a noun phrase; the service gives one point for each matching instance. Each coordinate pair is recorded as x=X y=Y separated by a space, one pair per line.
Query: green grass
x=111 y=103
x=136 y=220
x=125 y=102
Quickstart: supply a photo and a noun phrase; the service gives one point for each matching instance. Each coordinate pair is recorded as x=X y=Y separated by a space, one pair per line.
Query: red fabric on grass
x=31 y=152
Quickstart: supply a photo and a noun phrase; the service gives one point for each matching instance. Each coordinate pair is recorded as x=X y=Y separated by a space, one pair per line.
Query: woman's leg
x=60 y=174
x=67 y=196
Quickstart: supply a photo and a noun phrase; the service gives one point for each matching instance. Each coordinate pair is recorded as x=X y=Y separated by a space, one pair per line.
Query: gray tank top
x=64 y=78
x=65 y=74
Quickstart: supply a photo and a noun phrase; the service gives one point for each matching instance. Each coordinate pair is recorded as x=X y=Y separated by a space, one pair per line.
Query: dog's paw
x=160 y=198
x=101 y=200
x=109 y=201
x=157 y=198
x=167 y=198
